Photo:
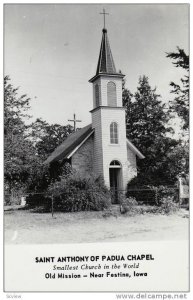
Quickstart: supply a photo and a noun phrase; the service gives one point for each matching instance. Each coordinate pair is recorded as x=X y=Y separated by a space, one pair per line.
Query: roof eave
x=107 y=107
x=79 y=145
x=106 y=74
x=135 y=150
x=64 y=154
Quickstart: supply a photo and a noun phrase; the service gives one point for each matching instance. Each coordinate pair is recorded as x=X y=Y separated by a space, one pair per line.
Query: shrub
x=152 y=195
x=128 y=204
x=37 y=189
x=165 y=192
x=168 y=206
x=143 y=194
x=39 y=201
x=45 y=175
x=74 y=193
x=131 y=201
x=13 y=196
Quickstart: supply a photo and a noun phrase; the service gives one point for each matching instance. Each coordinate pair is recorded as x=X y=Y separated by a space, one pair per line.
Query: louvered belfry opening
x=97 y=103
x=111 y=94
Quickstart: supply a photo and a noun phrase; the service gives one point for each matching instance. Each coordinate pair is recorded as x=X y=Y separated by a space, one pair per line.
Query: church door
x=114 y=177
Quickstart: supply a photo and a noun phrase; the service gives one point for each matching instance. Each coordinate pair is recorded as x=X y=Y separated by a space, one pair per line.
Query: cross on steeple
x=104 y=13
x=74 y=121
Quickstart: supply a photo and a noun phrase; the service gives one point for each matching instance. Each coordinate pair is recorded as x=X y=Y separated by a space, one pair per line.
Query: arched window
x=111 y=94
x=97 y=95
x=114 y=133
x=115 y=164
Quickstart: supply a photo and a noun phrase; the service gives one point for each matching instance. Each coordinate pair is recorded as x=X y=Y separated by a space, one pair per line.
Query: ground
x=25 y=227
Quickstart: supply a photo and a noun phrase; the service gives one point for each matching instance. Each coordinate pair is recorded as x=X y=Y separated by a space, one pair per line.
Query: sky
x=51 y=51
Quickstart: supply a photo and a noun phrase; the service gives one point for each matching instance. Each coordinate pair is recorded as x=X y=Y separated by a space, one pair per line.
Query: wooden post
x=179 y=186
x=52 y=206
x=156 y=195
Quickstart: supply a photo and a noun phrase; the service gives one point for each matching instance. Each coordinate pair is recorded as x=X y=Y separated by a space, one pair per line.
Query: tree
x=27 y=146
x=20 y=159
x=180 y=104
x=15 y=109
x=146 y=119
x=47 y=137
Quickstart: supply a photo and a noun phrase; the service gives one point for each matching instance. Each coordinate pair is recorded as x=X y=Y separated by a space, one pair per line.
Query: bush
x=143 y=194
x=165 y=192
x=37 y=189
x=74 y=193
x=128 y=204
x=168 y=206
x=152 y=195
x=39 y=201
x=13 y=196
x=131 y=201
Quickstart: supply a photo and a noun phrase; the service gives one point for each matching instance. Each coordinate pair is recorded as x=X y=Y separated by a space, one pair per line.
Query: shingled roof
x=105 y=62
x=71 y=142
x=106 y=65
x=74 y=140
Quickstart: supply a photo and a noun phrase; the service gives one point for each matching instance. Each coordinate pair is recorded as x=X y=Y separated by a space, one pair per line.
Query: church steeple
x=105 y=63
x=107 y=82
x=108 y=119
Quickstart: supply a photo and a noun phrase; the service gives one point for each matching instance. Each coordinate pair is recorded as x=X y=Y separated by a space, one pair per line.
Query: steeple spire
x=105 y=62
x=106 y=65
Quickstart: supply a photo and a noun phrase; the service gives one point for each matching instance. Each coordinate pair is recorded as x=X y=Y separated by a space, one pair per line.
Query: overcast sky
x=51 y=51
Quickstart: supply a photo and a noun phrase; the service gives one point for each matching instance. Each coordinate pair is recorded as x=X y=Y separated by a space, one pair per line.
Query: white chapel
x=102 y=147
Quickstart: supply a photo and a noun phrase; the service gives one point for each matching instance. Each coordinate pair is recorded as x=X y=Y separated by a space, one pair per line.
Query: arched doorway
x=115 y=178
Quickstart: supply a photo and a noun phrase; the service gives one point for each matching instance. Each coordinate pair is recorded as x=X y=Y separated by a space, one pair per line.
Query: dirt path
x=24 y=227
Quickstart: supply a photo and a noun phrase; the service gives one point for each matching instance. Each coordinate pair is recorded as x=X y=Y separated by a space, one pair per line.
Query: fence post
x=156 y=195
x=179 y=192
x=52 y=206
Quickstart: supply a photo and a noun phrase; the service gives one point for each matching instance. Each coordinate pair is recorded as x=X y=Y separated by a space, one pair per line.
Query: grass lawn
x=25 y=227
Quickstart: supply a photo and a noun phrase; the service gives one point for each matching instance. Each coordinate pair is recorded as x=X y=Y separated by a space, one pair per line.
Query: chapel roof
x=134 y=149
x=74 y=140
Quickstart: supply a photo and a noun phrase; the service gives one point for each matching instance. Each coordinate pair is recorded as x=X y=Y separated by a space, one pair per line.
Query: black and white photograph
x=96 y=147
